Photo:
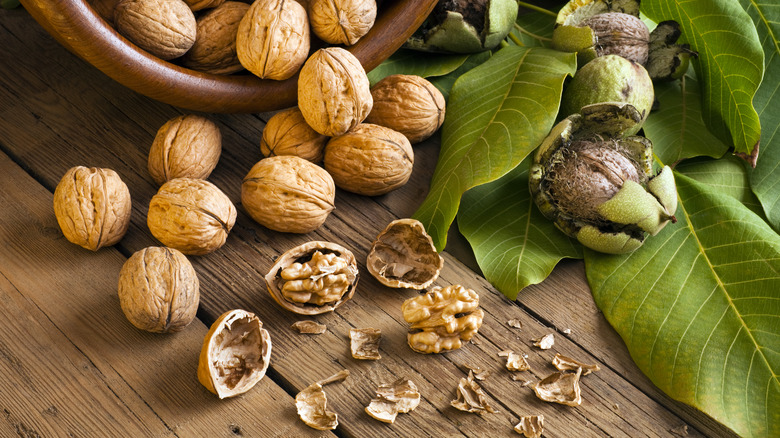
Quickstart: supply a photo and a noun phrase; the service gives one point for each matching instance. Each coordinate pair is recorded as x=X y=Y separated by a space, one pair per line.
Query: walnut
x=159 y=290
x=403 y=255
x=364 y=343
x=287 y=133
x=565 y=363
x=408 y=104
x=334 y=94
x=400 y=397
x=191 y=215
x=369 y=160
x=273 y=38
x=214 y=50
x=341 y=21
x=235 y=355
x=442 y=319
x=545 y=342
x=197 y=5
x=470 y=397
x=92 y=206
x=563 y=388
x=531 y=426
x=313 y=278
x=185 y=146
x=164 y=28
x=288 y=194
x=312 y=404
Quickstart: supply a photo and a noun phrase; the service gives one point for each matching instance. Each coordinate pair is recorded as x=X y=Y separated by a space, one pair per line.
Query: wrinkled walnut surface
x=185 y=146
x=235 y=354
x=287 y=133
x=403 y=255
x=531 y=426
x=341 y=21
x=164 y=28
x=214 y=50
x=408 y=104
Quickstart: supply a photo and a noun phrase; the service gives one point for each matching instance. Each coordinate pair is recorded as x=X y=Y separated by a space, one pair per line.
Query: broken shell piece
x=235 y=355
x=517 y=377
x=471 y=397
x=515 y=323
x=563 y=388
x=312 y=404
x=365 y=343
x=545 y=342
x=479 y=373
x=403 y=256
x=515 y=361
x=565 y=363
x=531 y=426
x=309 y=327
x=401 y=396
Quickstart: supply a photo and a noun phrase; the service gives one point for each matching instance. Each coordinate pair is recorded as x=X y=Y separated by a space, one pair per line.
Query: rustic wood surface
x=74 y=366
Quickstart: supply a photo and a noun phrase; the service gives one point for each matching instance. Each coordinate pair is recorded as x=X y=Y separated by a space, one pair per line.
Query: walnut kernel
x=341 y=21
x=185 y=146
x=408 y=104
x=287 y=133
x=164 y=28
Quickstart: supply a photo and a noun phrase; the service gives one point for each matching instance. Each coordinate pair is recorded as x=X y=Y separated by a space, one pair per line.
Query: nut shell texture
x=408 y=104
x=273 y=38
x=159 y=290
x=191 y=215
x=334 y=94
x=369 y=160
x=403 y=255
x=92 y=206
x=197 y=5
x=185 y=146
x=164 y=28
x=288 y=194
x=341 y=21
x=287 y=133
x=214 y=50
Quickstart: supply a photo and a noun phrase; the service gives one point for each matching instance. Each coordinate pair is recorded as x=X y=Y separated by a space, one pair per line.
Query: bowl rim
x=78 y=27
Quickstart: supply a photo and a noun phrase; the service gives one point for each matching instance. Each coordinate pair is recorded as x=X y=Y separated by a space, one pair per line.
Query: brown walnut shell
x=164 y=28
x=341 y=21
x=288 y=194
x=158 y=290
x=369 y=160
x=287 y=133
x=214 y=50
x=185 y=146
x=273 y=38
x=403 y=256
x=92 y=206
x=313 y=278
x=408 y=104
x=197 y=5
x=334 y=94
x=191 y=215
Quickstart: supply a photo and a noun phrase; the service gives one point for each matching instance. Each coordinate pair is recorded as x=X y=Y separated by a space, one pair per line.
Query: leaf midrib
x=768 y=27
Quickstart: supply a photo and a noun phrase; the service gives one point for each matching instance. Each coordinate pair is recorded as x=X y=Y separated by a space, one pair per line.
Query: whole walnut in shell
x=403 y=255
x=191 y=215
x=287 y=133
x=159 y=290
x=334 y=94
x=408 y=104
x=288 y=194
x=341 y=21
x=197 y=5
x=273 y=38
x=185 y=146
x=92 y=206
x=369 y=160
x=164 y=28
x=214 y=50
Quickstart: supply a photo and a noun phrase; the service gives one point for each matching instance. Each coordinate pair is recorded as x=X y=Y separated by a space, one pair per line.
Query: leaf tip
x=751 y=158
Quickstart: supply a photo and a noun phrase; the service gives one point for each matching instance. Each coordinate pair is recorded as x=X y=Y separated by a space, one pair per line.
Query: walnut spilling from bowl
x=409 y=104
x=185 y=146
x=400 y=397
x=287 y=133
x=403 y=255
x=470 y=397
x=364 y=343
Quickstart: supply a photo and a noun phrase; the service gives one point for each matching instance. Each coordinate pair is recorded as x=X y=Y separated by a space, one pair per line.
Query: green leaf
x=411 y=62
x=699 y=308
x=766 y=177
x=497 y=114
x=445 y=83
x=727 y=175
x=730 y=63
x=515 y=246
x=676 y=128
x=533 y=29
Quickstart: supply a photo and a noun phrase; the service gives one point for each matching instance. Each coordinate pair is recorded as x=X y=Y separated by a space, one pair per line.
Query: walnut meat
x=341 y=21
x=164 y=28
x=442 y=319
x=369 y=160
x=214 y=50
x=92 y=206
x=287 y=133
x=191 y=215
x=403 y=255
x=159 y=290
x=408 y=104
x=334 y=94
x=185 y=146
x=273 y=38
x=235 y=354
x=288 y=194
x=313 y=278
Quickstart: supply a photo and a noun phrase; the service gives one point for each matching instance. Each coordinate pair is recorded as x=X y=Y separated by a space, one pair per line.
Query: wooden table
x=72 y=365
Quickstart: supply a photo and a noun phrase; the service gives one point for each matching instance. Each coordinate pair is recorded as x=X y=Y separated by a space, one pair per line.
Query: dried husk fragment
x=185 y=146
x=312 y=404
x=470 y=397
x=92 y=206
x=287 y=133
x=364 y=343
x=531 y=426
x=403 y=256
x=164 y=28
x=400 y=397
x=214 y=50
x=408 y=104
x=545 y=342
x=313 y=278
x=560 y=387
x=235 y=355
x=309 y=327
x=341 y=21
x=158 y=290
x=565 y=363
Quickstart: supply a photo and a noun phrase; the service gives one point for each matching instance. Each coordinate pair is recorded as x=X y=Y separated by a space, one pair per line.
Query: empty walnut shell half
x=403 y=255
x=313 y=278
x=235 y=355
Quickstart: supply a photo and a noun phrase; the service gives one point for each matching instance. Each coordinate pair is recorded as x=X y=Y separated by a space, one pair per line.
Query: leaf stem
x=515 y=39
x=532 y=35
x=536 y=8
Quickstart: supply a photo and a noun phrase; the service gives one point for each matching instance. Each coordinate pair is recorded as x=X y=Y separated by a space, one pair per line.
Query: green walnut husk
x=667 y=60
x=462 y=26
x=597 y=184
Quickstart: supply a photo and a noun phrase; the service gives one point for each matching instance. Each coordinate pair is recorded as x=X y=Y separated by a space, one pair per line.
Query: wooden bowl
x=75 y=25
